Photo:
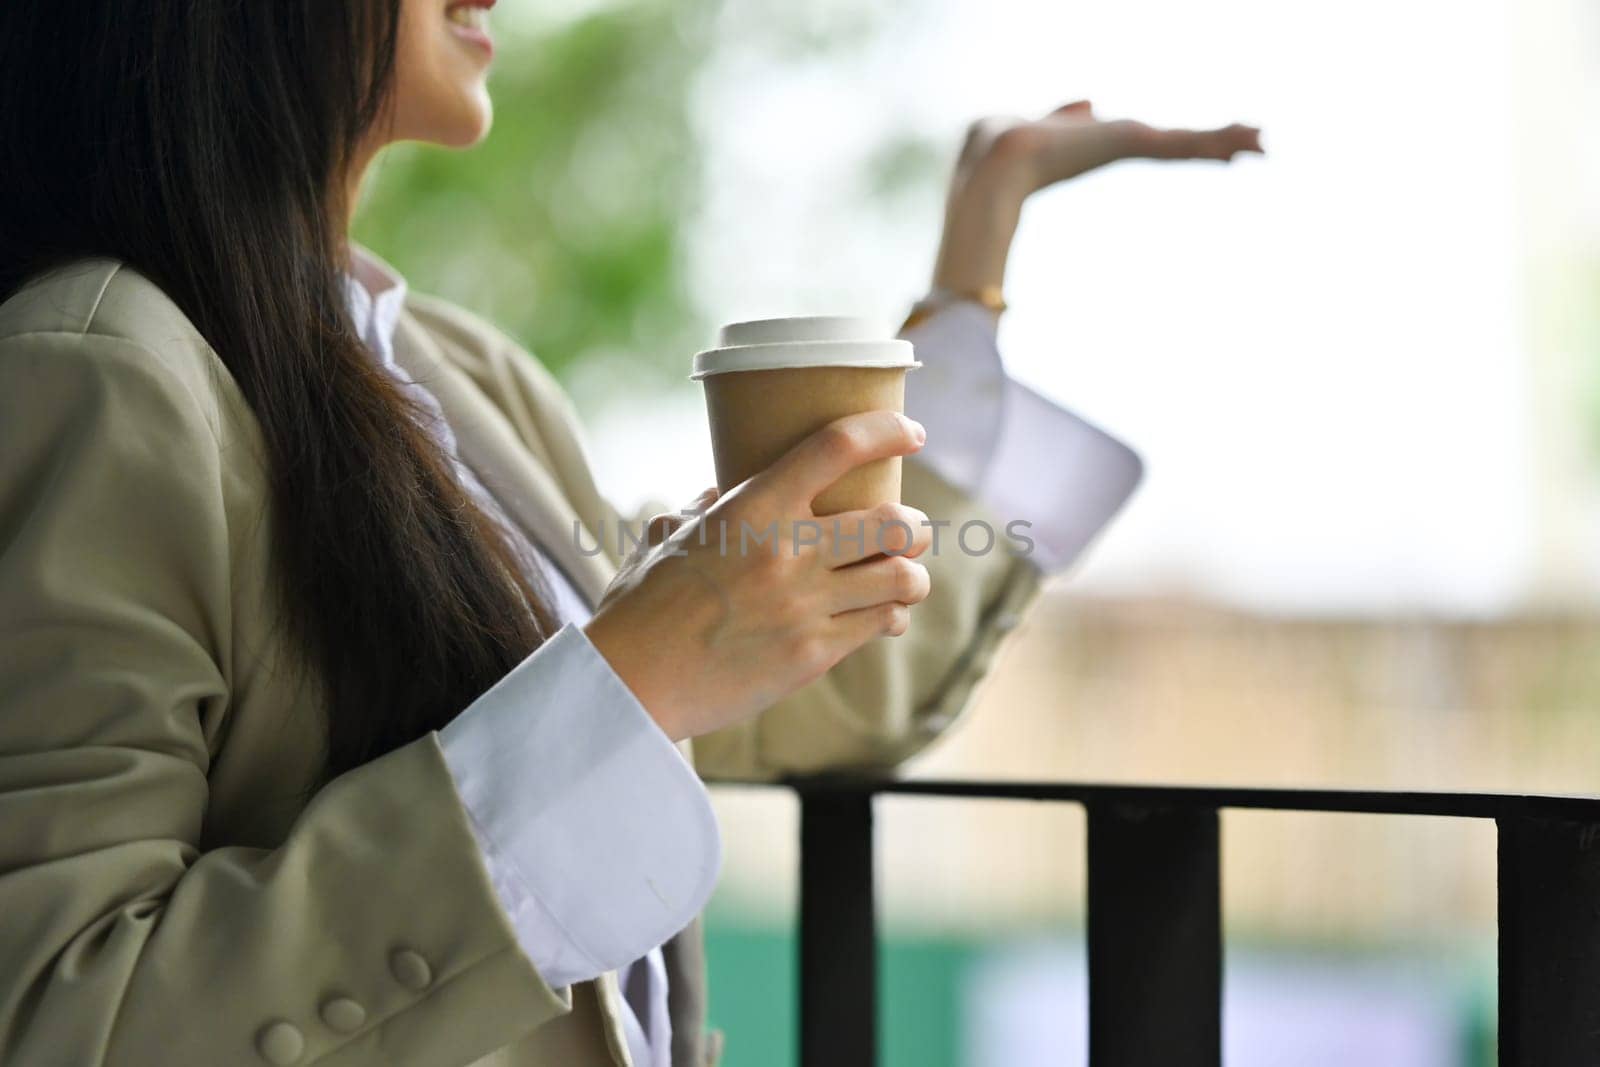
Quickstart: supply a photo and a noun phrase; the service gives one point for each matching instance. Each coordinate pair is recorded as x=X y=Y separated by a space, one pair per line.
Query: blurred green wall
x=754 y=996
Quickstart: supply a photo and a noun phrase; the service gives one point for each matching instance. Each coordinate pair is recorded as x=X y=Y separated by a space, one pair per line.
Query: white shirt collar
x=376 y=294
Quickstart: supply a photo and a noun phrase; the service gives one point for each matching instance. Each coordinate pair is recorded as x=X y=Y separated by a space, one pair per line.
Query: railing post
x=1549 y=942
x=838 y=937
x=1155 y=937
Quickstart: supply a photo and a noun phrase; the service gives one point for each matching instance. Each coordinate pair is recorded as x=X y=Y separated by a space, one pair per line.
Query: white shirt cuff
x=599 y=837
x=1030 y=462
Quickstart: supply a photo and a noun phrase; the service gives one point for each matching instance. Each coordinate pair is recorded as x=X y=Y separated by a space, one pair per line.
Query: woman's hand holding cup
x=756 y=596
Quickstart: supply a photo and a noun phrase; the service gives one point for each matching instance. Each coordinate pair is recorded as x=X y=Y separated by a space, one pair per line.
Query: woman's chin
x=469 y=138
x=465 y=126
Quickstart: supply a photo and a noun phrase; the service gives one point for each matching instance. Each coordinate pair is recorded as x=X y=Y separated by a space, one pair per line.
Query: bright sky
x=1323 y=356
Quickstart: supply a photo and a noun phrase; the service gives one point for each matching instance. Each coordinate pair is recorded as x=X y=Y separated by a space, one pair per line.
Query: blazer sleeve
x=122 y=940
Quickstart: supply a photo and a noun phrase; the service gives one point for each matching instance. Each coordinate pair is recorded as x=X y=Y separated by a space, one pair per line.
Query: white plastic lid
x=803 y=341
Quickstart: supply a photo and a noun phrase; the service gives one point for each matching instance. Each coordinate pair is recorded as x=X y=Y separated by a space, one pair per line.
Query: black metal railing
x=1155 y=918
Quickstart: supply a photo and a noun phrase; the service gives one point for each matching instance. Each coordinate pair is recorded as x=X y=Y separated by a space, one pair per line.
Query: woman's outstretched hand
x=1006 y=160
x=732 y=609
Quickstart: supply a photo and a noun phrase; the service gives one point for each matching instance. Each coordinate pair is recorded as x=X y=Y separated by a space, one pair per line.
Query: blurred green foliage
x=567 y=226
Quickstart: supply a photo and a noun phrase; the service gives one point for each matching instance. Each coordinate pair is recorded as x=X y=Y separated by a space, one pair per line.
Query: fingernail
x=918 y=431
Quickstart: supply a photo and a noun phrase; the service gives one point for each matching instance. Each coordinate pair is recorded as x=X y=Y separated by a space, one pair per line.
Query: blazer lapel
x=502 y=461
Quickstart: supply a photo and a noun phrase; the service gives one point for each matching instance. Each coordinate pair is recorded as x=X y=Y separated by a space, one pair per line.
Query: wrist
x=613 y=648
x=981 y=220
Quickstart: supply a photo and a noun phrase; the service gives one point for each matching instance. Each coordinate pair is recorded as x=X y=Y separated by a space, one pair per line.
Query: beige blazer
x=172 y=891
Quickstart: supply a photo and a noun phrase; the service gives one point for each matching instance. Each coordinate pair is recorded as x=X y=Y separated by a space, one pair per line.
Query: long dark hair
x=205 y=144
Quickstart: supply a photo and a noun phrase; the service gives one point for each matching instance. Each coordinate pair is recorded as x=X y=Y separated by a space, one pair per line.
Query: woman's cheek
x=441 y=94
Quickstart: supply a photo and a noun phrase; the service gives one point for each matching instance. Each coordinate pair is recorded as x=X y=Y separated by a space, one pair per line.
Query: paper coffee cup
x=771 y=383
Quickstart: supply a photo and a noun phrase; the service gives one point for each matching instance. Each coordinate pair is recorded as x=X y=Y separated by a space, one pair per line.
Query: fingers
x=1246 y=138
x=852 y=629
x=888 y=529
x=837 y=449
x=1223 y=144
x=892 y=580
x=1219 y=144
x=660 y=526
x=1077 y=109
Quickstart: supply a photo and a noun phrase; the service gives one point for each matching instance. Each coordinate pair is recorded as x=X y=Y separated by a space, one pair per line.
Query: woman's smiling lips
x=469 y=21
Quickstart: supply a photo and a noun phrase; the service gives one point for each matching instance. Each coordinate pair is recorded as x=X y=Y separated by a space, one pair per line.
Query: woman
x=320 y=740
